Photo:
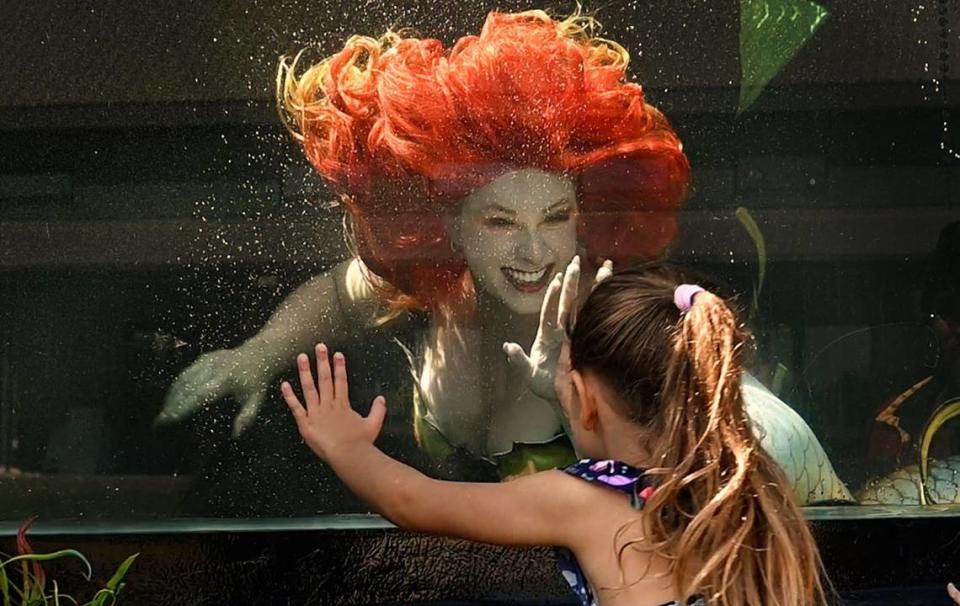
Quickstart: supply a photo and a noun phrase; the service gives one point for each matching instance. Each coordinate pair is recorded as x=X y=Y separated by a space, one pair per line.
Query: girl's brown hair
x=723 y=512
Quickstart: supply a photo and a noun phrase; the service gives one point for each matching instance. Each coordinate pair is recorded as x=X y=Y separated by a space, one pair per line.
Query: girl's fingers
x=306 y=383
x=323 y=374
x=340 y=387
x=292 y=401
x=953 y=592
x=378 y=412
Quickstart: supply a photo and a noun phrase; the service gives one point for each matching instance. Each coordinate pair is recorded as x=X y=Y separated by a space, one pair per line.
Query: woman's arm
x=540 y=509
x=331 y=306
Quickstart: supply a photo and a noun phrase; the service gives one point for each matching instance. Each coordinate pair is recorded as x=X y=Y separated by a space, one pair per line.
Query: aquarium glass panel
x=193 y=193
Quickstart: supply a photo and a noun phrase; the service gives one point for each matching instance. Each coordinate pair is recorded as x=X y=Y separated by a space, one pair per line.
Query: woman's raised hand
x=325 y=419
x=539 y=368
x=216 y=375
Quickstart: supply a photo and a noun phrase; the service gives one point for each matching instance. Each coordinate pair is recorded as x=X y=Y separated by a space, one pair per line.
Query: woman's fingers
x=290 y=397
x=293 y=402
x=323 y=373
x=517 y=357
x=605 y=271
x=551 y=303
x=341 y=392
x=306 y=383
x=249 y=410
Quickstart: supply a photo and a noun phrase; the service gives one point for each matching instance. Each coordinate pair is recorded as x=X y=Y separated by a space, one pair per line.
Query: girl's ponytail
x=723 y=513
x=723 y=507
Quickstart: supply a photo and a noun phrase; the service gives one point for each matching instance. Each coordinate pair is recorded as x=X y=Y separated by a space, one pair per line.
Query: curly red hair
x=403 y=129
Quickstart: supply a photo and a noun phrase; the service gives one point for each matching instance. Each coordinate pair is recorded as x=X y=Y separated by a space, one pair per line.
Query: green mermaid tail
x=782 y=432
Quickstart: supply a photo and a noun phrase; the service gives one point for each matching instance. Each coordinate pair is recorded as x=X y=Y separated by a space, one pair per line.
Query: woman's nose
x=531 y=247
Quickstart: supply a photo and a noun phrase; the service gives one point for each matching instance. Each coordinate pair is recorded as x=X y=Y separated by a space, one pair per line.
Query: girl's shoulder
x=595 y=561
x=615 y=475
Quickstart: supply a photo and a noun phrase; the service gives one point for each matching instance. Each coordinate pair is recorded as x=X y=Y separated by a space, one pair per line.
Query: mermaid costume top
x=523 y=458
x=617 y=476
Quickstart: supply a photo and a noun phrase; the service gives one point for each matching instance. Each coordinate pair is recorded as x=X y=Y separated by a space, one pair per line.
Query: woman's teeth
x=527 y=281
x=525 y=277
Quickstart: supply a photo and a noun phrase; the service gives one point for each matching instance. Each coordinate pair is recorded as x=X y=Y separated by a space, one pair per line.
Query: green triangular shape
x=771 y=34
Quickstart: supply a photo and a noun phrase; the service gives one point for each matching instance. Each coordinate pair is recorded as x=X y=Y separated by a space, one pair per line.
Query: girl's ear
x=585 y=400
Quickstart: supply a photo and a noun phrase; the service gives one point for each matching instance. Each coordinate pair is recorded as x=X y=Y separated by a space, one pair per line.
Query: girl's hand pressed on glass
x=325 y=418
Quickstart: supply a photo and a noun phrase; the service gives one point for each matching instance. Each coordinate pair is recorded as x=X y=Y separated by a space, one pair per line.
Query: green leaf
x=101 y=597
x=772 y=32
x=4 y=587
x=73 y=600
x=44 y=557
x=940 y=416
x=760 y=244
x=780 y=376
x=20 y=596
x=121 y=572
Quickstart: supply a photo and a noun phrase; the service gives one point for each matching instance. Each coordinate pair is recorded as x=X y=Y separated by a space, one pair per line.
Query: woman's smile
x=515 y=231
x=528 y=281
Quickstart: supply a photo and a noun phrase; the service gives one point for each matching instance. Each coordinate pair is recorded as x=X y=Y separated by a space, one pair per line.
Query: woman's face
x=516 y=233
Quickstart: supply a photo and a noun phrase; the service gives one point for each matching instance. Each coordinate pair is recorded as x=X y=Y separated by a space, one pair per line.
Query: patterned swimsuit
x=618 y=476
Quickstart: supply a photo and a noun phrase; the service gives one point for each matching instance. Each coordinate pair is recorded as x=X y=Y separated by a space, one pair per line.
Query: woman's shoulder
x=361 y=295
x=356 y=281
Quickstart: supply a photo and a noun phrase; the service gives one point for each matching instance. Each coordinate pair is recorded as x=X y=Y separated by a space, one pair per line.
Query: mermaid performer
x=470 y=177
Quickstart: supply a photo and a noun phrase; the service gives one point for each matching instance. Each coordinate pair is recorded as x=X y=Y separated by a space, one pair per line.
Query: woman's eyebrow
x=498 y=208
x=552 y=208
x=558 y=204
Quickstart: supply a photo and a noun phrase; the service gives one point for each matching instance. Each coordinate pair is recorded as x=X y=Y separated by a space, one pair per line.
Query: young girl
x=674 y=502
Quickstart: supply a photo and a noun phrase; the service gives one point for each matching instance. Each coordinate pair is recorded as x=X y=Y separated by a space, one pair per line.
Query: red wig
x=403 y=129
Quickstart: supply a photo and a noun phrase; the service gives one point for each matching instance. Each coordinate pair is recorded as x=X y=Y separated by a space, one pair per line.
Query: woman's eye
x=561 y=217
x=497 y=222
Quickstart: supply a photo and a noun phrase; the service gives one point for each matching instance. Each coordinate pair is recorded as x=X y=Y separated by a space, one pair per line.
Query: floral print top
x=617 y=476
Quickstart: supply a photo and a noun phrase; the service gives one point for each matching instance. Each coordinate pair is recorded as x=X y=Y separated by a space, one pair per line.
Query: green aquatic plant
x=760 y=244
x=945 y=412
x=780 y=374
x=772 y=32
x=31 y=588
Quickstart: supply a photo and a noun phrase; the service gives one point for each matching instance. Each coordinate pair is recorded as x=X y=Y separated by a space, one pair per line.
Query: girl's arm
x=540 y=509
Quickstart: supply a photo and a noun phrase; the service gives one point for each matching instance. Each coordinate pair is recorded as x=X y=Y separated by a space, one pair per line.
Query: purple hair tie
x=684 y=294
